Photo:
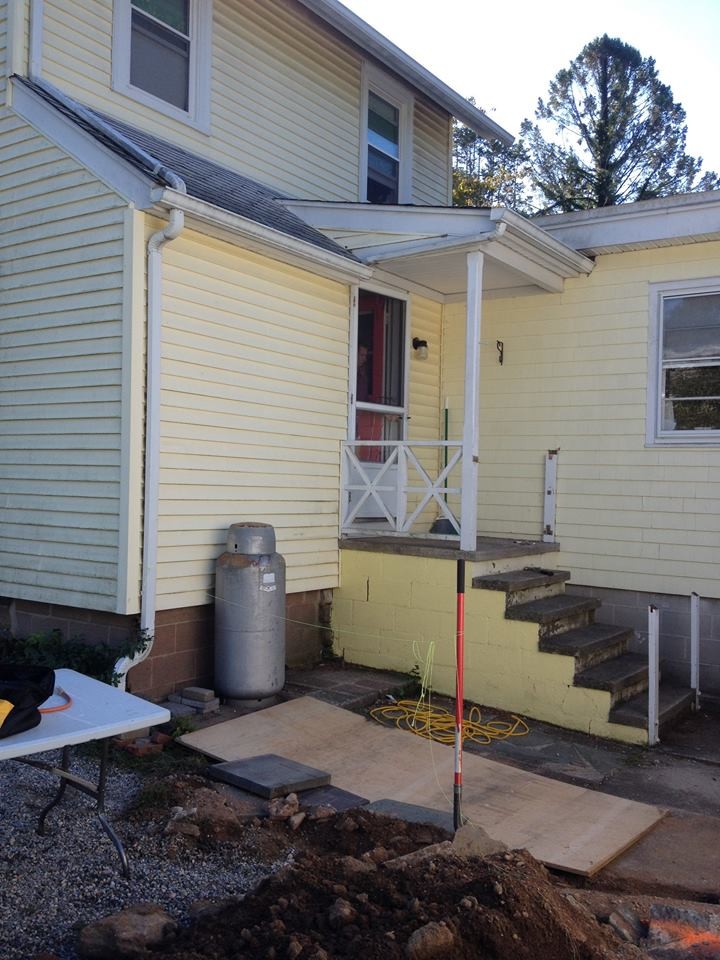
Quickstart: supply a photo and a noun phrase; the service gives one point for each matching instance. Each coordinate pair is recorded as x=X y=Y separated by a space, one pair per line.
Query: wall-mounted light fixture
x=420 y=347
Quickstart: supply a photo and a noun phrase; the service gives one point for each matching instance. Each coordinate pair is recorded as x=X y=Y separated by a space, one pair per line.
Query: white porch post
x=471 y=450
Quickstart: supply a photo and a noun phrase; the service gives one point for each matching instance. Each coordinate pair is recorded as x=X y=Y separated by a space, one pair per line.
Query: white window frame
x=402 y=99
x=198 y=112
x=655 y=435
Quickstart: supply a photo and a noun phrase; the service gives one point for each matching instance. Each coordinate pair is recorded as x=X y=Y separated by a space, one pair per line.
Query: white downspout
x=157 y=241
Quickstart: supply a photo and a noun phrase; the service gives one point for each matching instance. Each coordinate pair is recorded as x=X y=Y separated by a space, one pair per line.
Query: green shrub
x=51 y=649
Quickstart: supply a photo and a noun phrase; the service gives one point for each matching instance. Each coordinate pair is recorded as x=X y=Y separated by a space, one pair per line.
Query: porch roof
x=426 y=247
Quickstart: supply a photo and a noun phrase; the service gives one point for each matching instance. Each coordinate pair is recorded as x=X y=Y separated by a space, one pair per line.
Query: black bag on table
x=22 y=689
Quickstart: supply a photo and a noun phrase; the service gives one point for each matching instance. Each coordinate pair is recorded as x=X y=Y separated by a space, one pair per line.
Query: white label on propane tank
x=268 y=578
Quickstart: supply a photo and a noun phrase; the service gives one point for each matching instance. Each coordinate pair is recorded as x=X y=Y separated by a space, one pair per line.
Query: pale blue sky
x=504 y=54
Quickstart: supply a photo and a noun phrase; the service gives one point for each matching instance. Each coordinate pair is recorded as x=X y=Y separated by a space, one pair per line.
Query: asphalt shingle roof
x=204 y=179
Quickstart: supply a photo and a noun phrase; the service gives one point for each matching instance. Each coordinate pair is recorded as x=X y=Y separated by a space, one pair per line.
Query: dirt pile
x=347 y=895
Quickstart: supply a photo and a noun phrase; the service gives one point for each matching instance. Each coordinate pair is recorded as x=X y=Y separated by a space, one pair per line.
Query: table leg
x=94 y=790
x=64 y=768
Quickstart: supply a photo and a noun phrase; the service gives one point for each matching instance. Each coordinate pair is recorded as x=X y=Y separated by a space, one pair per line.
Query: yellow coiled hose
x=438 y=723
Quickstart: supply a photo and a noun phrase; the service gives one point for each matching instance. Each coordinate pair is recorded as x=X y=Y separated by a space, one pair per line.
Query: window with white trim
x=386 y=138
x=161 y=55
x=684 y=391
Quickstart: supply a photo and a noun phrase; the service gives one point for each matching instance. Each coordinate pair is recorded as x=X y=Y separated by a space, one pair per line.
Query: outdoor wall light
x=420 y=347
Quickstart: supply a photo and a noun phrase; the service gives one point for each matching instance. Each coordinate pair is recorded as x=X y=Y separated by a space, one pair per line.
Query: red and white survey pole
x=459 y=673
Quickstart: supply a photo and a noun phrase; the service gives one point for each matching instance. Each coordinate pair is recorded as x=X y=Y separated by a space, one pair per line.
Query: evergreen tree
x=616 y=134
x=487 y=173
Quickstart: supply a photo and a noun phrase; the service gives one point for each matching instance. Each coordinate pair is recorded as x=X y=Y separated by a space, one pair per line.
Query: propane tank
x=250 y=615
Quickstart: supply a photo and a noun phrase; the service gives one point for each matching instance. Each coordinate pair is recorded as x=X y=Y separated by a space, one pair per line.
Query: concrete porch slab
x=487 y=548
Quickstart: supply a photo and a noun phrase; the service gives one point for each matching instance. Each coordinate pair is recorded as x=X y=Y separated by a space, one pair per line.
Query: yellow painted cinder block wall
x=398 y=613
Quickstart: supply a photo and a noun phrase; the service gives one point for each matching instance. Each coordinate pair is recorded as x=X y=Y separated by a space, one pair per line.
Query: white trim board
x=654 y=436
x=403 y=100
x=117 y=173
x=199 y=79
x=689 y=217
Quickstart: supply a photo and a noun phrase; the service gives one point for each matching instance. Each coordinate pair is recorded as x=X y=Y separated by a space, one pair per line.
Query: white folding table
x=97 y=712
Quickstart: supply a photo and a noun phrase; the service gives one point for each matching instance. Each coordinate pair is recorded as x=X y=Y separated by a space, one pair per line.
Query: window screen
x=690 y=394
x=383 y=150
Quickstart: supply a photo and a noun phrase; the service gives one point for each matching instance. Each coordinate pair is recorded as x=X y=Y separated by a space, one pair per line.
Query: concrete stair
x=567 y=627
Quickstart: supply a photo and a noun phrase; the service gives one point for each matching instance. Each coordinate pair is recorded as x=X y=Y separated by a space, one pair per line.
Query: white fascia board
x=547 y=266
x=391 y=219
x=261 y=239
x=429 y=247
x=117 y=173
x=534 y=242
x=644 y=223
x=371 y=41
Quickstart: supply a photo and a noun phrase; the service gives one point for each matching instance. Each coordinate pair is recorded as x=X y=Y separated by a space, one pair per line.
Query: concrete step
x=517 y=580
x=624 y=677
x=675 y=702
x=589 y=645
x=555 y=614
x=523 y=586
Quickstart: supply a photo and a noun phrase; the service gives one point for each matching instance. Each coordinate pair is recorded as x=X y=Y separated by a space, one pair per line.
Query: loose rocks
x=126 y=934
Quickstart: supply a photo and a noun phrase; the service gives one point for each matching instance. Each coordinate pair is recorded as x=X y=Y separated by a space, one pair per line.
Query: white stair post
x=695 y=647
x=653 y=675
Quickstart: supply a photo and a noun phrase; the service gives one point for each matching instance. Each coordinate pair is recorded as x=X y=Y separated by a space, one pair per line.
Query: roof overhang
x=374 y=43
x=234 y=228
x=426 y=248
x=667 y=221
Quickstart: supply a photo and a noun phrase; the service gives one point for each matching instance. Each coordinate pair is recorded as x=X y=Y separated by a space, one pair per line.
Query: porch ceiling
x=428 y=247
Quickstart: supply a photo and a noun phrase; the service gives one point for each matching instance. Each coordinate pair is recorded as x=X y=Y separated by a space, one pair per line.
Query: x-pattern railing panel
x=401 y=455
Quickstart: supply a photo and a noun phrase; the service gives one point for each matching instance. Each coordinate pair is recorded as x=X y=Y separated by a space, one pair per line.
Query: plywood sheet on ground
x=564 y=826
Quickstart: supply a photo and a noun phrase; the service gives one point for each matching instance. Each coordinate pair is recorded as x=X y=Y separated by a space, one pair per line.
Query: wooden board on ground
x=567 y=827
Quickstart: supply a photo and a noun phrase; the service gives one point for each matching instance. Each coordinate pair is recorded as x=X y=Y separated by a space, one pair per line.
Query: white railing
x=397 y=489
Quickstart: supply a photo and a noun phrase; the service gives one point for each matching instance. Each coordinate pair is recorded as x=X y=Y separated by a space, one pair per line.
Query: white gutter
x=412 y=249
x=265 y=239
x=157 y=241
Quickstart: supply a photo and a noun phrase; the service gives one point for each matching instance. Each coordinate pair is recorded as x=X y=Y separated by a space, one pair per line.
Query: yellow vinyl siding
x=431 y=159
x=285 y=96
x=254 y=407
x=424 y=398
x=575 y=377
x=61 y=249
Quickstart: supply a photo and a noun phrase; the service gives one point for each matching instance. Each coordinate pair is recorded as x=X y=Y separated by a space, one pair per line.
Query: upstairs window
x=383 y=173
x=685 y=383
x=161 y=55
x=160 y=49
x=386 y=159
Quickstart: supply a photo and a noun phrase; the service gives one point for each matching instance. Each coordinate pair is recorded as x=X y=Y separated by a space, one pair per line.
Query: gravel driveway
x=51 y=885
